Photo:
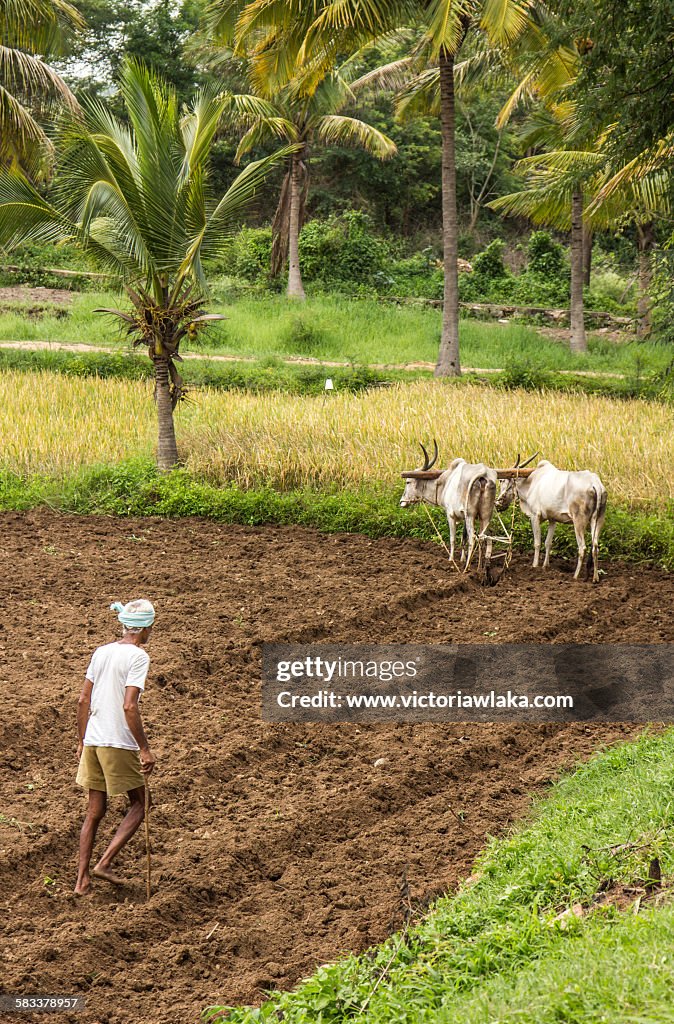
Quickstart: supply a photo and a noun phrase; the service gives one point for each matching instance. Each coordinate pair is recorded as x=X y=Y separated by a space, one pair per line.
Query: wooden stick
x=147 y=839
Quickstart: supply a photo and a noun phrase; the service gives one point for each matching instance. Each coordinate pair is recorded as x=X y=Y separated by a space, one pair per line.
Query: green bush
x=489 y=264
x=33 y=261
x=525 y=374
x=545 y=255
x=417 y=276
x=250 y=254
x=303 y=337
x=342 y=249
x=533 y=288
x=608 y=292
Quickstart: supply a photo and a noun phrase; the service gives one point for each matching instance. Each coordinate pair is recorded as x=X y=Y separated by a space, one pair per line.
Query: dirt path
x=276 y=847
x=59 y=346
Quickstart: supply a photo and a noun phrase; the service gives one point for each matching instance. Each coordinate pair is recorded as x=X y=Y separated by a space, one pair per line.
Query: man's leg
x=130 y=823
x=95 y=812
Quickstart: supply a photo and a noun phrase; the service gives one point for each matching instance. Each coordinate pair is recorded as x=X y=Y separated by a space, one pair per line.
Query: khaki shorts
x=111 y=770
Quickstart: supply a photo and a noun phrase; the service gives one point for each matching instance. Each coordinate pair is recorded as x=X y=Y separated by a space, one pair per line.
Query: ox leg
x=452 y=537
x=548 y=543
x=580 y=540
x=596 y=524
x=470 y=540
x=488 y=548
x=536 y=527
x=595 y=560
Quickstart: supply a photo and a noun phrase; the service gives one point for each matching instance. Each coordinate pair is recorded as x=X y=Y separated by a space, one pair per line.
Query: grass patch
x=496 y=952
x=355 y=330
x=255 y=377
x=272 y=374
x=134 y=488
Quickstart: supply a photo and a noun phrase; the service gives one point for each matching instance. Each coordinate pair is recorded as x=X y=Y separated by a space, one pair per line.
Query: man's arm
x=135 y=724
x=83 y=707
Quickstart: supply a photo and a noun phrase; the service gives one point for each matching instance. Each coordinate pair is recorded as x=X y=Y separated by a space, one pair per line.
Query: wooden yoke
x=433 y=474
x=511 y=474
x=422 y=474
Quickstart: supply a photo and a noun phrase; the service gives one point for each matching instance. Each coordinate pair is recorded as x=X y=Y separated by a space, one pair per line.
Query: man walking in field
x=113 y=750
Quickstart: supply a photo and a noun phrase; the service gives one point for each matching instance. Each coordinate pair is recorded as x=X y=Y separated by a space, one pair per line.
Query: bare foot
x=100 y=871
x=83 y=888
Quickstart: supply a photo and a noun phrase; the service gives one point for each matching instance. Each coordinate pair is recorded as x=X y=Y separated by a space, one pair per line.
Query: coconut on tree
x=135 y=197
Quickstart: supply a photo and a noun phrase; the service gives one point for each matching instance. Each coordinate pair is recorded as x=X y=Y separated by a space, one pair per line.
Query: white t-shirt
x=112 y=668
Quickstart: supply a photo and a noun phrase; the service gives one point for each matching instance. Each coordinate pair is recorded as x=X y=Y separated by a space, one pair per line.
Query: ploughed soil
x=275 y=847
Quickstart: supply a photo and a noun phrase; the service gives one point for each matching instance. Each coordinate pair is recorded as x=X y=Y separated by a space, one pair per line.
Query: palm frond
x=336 y=129
x=421 y=97
x=390 y=77
x=264 y=129
x=503 y=21
x=446 y=22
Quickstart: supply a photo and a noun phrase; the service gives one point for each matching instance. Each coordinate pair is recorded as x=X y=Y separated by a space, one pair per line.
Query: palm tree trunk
x=448 y=364
x=577 y=315
x=646 y=242
x=167 y=449
x=588 y=238
x=295 y=287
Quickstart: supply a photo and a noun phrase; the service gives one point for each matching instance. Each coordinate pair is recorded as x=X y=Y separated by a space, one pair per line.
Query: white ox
x=560 y=496
x=466 y=491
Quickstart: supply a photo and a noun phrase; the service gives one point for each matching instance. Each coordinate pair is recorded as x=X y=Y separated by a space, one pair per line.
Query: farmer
x=113 y=750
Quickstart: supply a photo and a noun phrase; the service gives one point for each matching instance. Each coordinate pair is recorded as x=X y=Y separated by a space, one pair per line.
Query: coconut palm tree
x=307 y=117
x=28 y=86
x=568 y=188
x=136 y=198
x=574 y=185
x=279 y=33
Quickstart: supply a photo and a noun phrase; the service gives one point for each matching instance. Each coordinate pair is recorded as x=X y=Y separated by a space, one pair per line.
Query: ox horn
x=528 y=460
x=428 y=462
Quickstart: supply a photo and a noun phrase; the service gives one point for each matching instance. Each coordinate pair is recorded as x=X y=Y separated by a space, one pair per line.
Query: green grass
x=134 y=488
x=255 y=377
x=272 y=374
x=495 y=952
x=342 y=329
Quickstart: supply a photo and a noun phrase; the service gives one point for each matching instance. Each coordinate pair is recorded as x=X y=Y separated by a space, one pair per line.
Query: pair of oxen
x=470 y=493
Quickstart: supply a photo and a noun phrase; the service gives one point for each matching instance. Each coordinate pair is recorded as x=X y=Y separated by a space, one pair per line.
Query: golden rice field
x=51 y=425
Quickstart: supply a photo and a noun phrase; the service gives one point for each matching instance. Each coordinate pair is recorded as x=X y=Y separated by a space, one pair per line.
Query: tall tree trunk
x=577 y=316
x=280 y=229
x=646 y=242
x=167 y=449
x=448 y=364
x=588 y=238
x=295 y=287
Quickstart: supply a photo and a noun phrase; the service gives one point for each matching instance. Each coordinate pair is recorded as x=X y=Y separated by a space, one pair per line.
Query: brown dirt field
x=276 y=847
x=35 y=296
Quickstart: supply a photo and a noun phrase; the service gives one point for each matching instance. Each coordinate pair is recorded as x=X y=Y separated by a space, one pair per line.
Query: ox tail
x=482 y=493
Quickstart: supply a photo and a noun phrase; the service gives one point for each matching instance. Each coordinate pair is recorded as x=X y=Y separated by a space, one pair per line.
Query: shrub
x=251 y=254
x=525 y=374
x=415 y=276
x=33 y=261
x=489 y=263
x=607 y=291
x=341 y=249
x=303 y=337
x=545 y=255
